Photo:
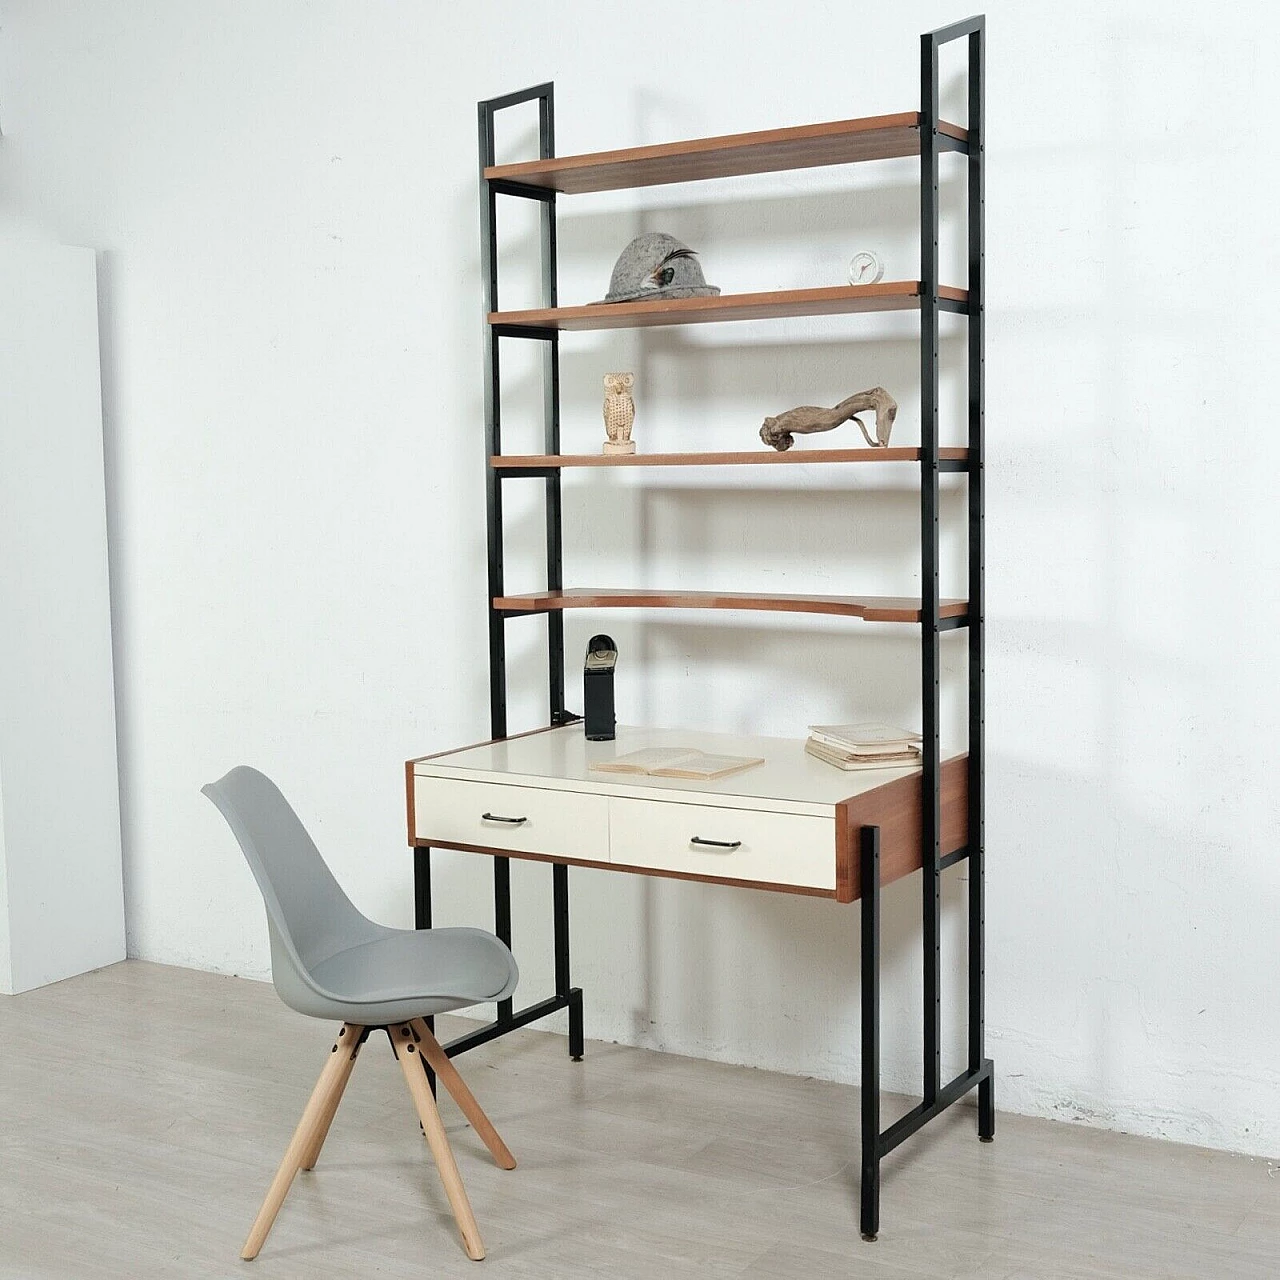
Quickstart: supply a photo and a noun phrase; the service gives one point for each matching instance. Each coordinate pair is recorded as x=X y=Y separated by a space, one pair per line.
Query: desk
x=793 y=819
x=792 y=824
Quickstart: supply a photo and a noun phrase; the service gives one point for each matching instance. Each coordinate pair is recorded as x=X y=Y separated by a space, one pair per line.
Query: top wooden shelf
x=807 y=146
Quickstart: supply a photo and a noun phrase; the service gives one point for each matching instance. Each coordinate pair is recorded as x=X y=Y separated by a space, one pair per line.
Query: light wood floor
x=143 y=1110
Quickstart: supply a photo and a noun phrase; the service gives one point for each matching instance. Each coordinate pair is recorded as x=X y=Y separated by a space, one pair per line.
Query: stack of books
x=864 y=746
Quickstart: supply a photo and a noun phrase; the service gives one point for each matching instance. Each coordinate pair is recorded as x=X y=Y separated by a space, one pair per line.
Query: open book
x=676 y=762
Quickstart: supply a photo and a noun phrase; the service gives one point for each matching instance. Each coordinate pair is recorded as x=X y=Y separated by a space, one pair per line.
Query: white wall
x=284 y=197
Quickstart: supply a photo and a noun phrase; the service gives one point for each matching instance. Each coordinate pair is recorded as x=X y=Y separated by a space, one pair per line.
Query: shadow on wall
x=121 y=604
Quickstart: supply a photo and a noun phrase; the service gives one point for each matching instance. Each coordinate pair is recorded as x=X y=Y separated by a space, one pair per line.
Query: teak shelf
x=806 y=146
x=800 y=826
x=868 y=608
x=538 y=462
x=844 y=299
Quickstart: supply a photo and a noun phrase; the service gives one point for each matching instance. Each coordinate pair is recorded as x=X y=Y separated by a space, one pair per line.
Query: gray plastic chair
x=329 y=961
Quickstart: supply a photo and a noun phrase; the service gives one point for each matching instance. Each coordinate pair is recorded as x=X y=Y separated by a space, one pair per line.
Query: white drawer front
x=564 y=823
x=772 y=848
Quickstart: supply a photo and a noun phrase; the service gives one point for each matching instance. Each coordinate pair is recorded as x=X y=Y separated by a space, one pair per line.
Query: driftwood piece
x=780 y=432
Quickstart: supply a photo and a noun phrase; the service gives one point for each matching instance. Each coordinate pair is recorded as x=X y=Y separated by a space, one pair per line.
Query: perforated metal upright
x=566 y=996
x=979 y=1071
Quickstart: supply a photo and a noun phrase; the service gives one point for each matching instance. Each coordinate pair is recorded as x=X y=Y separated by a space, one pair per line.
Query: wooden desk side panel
x=408 y=802
x=896 y=809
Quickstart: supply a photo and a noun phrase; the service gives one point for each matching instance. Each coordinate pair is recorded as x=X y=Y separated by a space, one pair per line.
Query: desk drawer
x=772 y=848
x=567 y=824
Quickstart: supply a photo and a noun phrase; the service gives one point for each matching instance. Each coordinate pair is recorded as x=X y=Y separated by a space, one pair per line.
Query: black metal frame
x=979 y=1071
x=566 y=996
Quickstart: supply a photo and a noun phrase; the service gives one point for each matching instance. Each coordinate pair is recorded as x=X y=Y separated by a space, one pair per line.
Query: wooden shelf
x=767 y=151
x=869 y=608
x=894 y=295
x=766 y=457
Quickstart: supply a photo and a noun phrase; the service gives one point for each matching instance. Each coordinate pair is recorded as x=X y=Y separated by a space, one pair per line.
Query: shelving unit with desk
x=793 y=824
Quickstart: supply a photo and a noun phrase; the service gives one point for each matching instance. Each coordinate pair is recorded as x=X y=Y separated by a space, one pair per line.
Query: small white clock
x=865 y=268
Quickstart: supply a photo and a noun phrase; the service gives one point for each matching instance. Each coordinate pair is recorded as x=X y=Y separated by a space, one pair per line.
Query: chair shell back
x=309 y=917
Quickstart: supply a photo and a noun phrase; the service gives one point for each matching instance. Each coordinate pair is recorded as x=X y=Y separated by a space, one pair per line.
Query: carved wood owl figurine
x=619 y=412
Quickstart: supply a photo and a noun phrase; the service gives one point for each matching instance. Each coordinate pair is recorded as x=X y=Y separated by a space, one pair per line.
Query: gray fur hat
x=656 y=265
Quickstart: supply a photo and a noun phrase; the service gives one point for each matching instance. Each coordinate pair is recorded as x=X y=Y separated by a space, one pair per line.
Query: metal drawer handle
x=717 y=844
x=497 y=817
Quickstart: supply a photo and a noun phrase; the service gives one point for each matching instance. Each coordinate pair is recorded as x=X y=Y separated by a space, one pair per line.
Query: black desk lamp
x=597 y=689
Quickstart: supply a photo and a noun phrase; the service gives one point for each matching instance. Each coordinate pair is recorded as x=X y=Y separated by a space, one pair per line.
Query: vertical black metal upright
x=566 y=996
x=976 y=839
x=979 y=1071
x=930 y=648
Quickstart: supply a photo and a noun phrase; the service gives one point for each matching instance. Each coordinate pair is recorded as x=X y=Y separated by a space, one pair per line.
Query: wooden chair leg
x=324 y=1096
x=406 y=1052
x=312 y=1154
x=447 y=1074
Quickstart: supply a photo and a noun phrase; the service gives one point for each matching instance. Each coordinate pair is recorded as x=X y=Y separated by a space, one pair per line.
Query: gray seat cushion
x=411 y=973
